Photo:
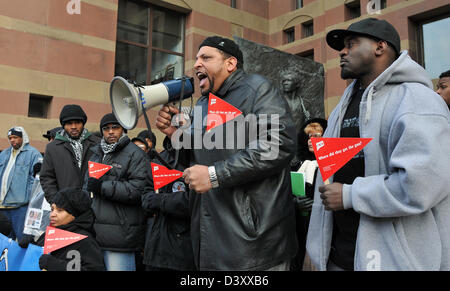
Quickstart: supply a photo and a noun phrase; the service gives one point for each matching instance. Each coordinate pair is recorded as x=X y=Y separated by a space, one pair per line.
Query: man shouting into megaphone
x=242 y=216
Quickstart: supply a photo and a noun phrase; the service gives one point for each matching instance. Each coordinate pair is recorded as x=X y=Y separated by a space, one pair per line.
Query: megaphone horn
x=127 y=104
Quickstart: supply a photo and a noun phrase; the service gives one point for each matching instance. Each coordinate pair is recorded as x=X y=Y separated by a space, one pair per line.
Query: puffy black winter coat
x=120 y=219
x=248 y=222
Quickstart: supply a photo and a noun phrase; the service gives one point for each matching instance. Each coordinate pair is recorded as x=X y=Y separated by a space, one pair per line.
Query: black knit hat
x=150 y=135
x=109 y=118
x=369 y=27
x=142 y=140
x=224 y=44
x=72 y=112
x=73 y=200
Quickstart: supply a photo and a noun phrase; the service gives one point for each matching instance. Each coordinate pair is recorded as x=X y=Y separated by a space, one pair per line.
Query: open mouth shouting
x=202 y=78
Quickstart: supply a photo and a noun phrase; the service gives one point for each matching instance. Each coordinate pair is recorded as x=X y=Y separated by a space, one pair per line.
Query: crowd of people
x=388 y=208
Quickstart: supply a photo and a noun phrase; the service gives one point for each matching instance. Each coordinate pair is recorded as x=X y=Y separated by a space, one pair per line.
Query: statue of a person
x=290 y=86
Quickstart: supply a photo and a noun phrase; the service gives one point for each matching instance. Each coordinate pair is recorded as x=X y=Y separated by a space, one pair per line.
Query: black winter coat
x=248 y=222
x=120 y=219
x=60 y=169
x=168 y=244
x=90 y=255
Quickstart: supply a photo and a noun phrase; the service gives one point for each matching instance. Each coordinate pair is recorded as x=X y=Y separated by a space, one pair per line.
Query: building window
x=383 y=4
x=352 y=10
x=434 y=45
x=298 y=4
x=150 y=43
x=289 y=35
x=307 y=29
x=233 y=3
x=39 y=105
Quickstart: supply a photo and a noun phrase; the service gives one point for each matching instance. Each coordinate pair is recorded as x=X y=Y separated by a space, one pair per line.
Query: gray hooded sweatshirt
x=403 y=200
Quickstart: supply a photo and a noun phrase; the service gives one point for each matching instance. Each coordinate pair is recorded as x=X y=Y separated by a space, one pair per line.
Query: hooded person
x=16 y=178
x=66 y=157
x=388 y=208
x=120 y=219
x=71 y=211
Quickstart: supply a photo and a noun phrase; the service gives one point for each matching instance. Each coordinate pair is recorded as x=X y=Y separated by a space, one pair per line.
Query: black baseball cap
x=52 y=133
x=370 y=27
x=224 y=44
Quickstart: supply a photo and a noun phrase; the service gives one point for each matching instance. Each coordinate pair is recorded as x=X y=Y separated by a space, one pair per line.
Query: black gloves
x=36 y=168
x=26 y=240
x=94 y=185
x=43 y=261
x=151 y=202
x=50 y=263
x=303 y=203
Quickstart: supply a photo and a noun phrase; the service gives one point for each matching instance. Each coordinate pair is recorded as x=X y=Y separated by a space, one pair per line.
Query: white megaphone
x=127 y=105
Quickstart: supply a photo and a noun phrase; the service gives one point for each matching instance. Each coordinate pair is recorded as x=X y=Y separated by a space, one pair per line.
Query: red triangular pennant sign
x=333 y=153
x=97 y=170
x=219 y=112
x=56 y=238
x=163 y=176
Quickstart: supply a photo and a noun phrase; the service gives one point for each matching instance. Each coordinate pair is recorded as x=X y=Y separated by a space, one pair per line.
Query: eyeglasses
x=113 y=127
x=314 y=134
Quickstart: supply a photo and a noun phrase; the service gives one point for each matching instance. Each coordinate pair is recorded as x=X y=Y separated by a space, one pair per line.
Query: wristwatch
x=213 y=176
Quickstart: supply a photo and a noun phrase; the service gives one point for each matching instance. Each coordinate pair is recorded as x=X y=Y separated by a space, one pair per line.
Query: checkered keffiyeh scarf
x=108 y=148
x=77 y=145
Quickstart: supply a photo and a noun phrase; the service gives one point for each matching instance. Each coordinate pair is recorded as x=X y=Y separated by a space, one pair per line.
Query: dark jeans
x=5 y=225
x=302 y=224
x=16 y=216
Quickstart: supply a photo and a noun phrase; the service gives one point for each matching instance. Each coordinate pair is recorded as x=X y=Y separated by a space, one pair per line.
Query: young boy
x=71 y=211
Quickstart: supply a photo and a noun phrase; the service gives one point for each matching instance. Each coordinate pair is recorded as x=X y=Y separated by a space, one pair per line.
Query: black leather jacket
x=248 y=222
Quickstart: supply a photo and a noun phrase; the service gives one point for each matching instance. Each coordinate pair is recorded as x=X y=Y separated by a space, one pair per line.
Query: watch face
x=178 y=186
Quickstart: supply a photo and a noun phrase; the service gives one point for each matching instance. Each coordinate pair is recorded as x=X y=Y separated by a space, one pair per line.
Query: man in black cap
x=242 y=215
x=120 y=219
x=66 y=157
x=380 y=212
x=51 y=134
x=149 y=136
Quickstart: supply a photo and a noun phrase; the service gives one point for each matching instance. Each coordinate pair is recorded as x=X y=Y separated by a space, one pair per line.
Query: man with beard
x=66 y=157
x=388 y=208
x=242 y=214
x=120 y=219
x=16 y=179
